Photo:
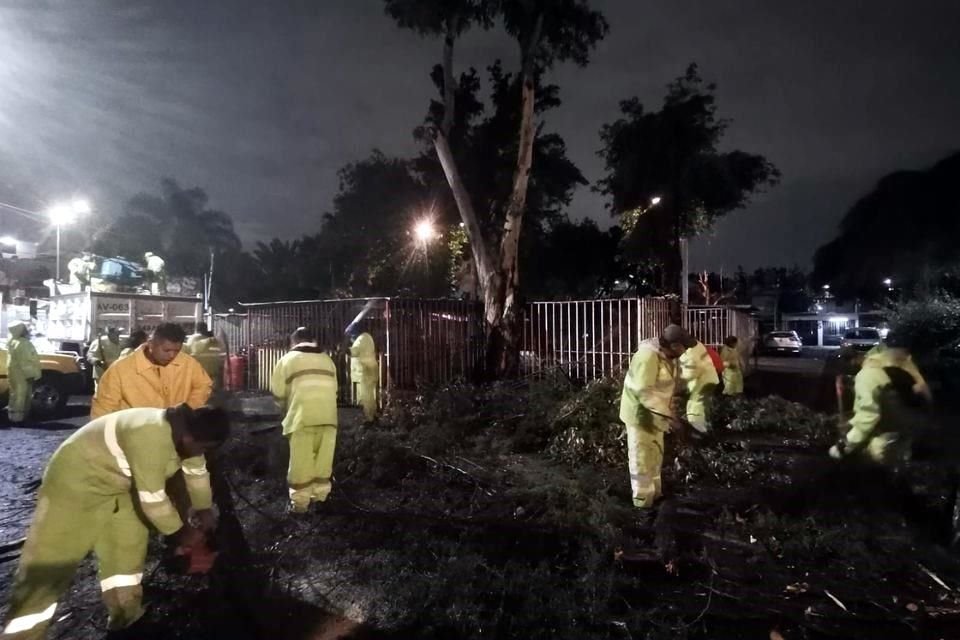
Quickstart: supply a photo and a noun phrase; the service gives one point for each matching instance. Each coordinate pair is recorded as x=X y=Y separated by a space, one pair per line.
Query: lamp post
x=65 y=213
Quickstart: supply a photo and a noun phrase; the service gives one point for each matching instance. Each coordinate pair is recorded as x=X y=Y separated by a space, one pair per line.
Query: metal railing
x=588 y=339
x=437 y=341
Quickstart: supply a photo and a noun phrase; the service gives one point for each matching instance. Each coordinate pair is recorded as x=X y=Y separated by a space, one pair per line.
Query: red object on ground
x=199 y=558
x=236 y=373
x=717 y=361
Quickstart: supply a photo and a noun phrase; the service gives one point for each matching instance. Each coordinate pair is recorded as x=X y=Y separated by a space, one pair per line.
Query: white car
x=782 y=342
x=862 y=339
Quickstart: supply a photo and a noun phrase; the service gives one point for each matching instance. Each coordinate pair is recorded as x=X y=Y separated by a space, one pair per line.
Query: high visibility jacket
x=134 y=381
x=364 y=367
x=869 y=385
x=696 y=369
x=129 y=450
x=104 y=350
x=208 y=352
x=23 y=363
x=649 y=385
x=304 y=386
x=731 y=358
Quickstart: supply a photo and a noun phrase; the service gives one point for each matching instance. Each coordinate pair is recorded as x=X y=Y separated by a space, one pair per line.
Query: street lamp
x=424 y=231
x=65 y=213
x=888 y=282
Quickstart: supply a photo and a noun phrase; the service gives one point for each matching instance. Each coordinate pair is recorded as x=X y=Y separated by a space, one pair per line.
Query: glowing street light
x=424 y=231
x=65 y=213
x=888 y=282
x=654 y=201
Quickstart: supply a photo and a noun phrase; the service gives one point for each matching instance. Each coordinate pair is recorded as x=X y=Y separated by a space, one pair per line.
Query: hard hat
x=675 y=333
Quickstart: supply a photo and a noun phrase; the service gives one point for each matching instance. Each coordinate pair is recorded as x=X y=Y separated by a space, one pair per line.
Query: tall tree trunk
x=502 y=306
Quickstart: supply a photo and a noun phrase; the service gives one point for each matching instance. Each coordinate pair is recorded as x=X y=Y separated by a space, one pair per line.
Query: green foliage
x=930 y=324
x=588 y=428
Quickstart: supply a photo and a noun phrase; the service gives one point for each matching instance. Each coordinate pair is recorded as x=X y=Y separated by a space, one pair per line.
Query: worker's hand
x=922 y=389
x=189 y=537
x=206 y=520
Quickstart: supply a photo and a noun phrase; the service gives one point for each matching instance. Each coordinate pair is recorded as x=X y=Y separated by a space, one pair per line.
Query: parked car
x=782 y=342
x=862 y=339
x=61 y=376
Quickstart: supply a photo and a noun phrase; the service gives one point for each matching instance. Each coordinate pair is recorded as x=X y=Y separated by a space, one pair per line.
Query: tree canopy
x=674 y=154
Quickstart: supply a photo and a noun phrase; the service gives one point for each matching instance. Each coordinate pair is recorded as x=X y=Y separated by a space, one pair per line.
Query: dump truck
x=74 y=320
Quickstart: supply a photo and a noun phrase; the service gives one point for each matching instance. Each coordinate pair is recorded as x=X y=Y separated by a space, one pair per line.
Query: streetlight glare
x=655 y=200
x=81 y=206
x=424 y=231
x=61 y=214
x=888 y=281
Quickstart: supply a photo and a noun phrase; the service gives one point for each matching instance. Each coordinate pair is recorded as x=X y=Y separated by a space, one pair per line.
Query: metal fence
x=418 y=341
x=436 y=341
x=588 y=339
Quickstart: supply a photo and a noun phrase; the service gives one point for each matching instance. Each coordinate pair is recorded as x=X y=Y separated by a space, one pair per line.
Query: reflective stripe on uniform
x=121 y=580
x=152 y=496
x=27 y=622
x=309 y=372
x=194 y=471
x=110 y=436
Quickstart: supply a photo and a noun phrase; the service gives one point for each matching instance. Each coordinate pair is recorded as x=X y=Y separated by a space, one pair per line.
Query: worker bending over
x=700 y=377
x=102 y=489
x=305 y=388
x=646 y=409
x=889 y=394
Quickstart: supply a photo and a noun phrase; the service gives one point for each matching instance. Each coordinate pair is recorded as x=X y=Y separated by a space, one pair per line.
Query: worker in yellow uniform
x=209 y=352
x=304 y=386
x=364 y=372
x=103 y=352
x=102 y=490
x=157 y=272
x=889 y=395
x=732 y=367
x=700 y=378
x=158 y=375
x=23 y=369
x=646 y=409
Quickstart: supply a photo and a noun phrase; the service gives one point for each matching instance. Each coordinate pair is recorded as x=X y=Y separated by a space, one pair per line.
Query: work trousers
x=644 y=458
x=311 y=465
x=366 y=394
x=66 y=526
x=699 y=406
x=21 y=395
x=732 y=382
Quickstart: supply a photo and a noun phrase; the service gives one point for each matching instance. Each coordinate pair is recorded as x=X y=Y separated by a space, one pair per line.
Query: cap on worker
x=675 y=333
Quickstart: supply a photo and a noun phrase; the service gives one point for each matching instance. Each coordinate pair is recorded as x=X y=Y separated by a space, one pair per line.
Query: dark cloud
x=260 y=103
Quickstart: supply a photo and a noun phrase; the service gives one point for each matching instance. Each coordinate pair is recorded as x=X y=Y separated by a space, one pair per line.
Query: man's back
x=305 y=385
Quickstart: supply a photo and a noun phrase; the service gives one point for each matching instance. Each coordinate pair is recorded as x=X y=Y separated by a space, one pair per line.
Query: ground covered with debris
x=504 y=512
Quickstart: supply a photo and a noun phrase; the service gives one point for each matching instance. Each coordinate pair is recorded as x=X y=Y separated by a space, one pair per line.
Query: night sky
x=261 y=102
